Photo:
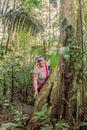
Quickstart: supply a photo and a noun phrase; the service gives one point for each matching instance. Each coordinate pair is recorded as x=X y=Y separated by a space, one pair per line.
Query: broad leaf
x=54 y=60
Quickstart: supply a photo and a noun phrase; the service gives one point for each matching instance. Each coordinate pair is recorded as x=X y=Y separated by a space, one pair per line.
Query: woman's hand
x=36 y=94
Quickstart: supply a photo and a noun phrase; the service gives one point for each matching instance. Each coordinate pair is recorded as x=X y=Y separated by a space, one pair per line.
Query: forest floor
x=15 y=112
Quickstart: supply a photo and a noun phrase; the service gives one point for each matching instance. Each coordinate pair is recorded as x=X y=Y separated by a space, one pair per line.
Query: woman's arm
x=35 y=84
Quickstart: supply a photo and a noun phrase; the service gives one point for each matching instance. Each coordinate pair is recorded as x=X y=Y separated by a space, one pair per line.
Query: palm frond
x=18 y=18
x=14 y=17
x=24 y=20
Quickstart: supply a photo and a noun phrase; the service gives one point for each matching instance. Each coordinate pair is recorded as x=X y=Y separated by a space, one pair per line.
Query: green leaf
x=47 y=128
x=63 y=125
x=76 y=67
x=2 y=128
x=66 y=50
x=80 y=81
x=85 y=18
x=83 y=123
x=10 y=124
x=55 y=24
x=54 y=58
x=67 y=57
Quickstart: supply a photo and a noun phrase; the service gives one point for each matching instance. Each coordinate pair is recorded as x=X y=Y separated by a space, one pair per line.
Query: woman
x=41 y=74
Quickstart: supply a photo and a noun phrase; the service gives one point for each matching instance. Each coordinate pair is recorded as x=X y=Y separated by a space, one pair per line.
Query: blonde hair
x=36 y=64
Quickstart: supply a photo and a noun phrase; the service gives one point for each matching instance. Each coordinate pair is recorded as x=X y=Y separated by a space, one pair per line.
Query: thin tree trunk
x=4 y=85
x=12 y=84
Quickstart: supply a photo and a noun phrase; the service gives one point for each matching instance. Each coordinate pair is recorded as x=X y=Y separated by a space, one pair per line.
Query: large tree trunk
x=45 y=100
x=59 y=97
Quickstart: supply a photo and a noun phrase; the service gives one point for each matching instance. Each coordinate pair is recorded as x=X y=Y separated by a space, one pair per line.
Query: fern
x=7 y=125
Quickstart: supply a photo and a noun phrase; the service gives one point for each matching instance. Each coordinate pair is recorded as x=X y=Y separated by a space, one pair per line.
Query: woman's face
x=41 y=63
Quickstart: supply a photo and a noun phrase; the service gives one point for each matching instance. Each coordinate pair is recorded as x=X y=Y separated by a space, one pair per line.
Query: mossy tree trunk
x=59 y=97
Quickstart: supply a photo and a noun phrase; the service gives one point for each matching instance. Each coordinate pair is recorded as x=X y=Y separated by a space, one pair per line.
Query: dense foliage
x=30 y=28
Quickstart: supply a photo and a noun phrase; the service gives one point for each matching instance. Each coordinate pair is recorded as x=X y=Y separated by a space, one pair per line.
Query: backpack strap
x=46 y=67
x=40 y=85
